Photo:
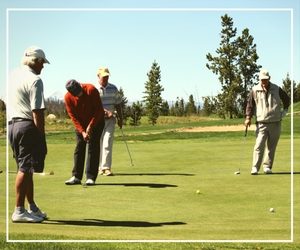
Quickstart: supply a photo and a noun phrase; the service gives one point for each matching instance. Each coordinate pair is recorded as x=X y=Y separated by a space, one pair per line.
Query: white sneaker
x=38 y=213
x=254 y=171
x=267 y=171
x=90 y=182
x=25 y=217
x=73 y=181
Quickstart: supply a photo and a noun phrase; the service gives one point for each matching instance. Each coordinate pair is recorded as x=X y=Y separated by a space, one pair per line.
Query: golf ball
x=272 y=210
x=198 y=192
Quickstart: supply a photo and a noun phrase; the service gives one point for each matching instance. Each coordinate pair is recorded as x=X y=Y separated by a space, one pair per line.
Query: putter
x=126 y=147
x=243 y=142
x=123 y=137
x=45 y=173
x=246 y=131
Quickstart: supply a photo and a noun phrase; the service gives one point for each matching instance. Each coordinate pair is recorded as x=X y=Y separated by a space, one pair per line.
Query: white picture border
x=290 y=10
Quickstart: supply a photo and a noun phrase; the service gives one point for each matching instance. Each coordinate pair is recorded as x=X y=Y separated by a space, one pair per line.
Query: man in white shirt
x=26 y=107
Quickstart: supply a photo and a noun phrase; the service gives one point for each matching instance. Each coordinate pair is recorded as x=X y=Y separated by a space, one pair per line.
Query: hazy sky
x=127 y=36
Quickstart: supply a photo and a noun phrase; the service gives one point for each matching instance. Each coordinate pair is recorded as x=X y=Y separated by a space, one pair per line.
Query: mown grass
x=156 y=198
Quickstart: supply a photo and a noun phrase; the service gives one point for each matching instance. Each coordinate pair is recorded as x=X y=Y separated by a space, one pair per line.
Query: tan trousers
x=267 y=136
x=106 y=144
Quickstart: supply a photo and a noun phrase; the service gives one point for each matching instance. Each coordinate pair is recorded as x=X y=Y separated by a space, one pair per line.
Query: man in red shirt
x=84 y=107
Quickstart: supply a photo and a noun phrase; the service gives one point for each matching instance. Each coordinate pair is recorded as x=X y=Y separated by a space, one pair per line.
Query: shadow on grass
x=149 y=185
x=153 y=174
x=108 y=223
x=285 y=173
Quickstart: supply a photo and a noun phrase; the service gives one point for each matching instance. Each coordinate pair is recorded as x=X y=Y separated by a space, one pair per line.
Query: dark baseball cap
x=73 y=87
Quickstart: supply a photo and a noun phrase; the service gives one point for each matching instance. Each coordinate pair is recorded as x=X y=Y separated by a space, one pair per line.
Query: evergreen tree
x=297 y=93
x=208 y=105
x=181 y=109
x=125 y=113
x=235 y=64
x=247 y=67
x=2 y=116
x=136 y=112
x=165 y=110
x=153 y=99
x=191 y=108
x=225 y=66
x=286 y=86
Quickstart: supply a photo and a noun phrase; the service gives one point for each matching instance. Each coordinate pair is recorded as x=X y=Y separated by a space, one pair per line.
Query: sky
x=78 y=37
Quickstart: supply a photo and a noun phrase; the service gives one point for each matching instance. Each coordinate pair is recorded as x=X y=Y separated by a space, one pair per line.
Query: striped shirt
x=110 y=97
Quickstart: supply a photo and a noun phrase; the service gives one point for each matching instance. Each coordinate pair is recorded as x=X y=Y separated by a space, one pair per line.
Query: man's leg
x=107 y=144
x=259 y=148
x=79 y=156
x=21 y=188
x=92 y=161
x=274 y=134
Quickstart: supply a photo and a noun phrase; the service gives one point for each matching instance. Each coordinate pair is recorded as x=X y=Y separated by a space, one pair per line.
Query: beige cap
x=35 y=52
x=264 y=74
x=103 y=72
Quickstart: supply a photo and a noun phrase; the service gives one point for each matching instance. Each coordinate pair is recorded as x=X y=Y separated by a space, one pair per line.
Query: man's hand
x=107 y=113
x=247 y=122
x=85 y=136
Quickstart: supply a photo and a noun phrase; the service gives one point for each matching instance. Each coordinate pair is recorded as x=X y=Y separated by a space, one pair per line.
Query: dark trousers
x=93 y=153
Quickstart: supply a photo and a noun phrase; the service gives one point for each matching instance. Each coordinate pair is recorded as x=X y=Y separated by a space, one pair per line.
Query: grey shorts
x=28 y=145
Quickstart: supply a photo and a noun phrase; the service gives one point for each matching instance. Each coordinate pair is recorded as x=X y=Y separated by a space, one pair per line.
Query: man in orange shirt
x=84 y=107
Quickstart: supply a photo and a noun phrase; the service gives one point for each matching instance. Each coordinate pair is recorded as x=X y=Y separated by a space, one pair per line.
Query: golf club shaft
x=246 y=130
x=126 y=146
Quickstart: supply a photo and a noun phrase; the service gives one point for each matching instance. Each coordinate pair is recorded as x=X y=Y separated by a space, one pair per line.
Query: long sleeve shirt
x=85 y=110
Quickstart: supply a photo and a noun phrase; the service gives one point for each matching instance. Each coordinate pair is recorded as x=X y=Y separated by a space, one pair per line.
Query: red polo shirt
x=85 y=110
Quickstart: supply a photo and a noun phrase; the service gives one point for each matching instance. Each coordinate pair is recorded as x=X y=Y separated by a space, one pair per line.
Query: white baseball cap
x=36 y=52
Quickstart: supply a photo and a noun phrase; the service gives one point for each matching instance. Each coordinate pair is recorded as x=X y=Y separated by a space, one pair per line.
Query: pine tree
x=136 y=112
x=235 y=64
x=247 y=67
x=190 y=106
x=165 y=109
x=225 y=66
x=153 y=99
x=286 y=86
x=124 y=108
x=297 y=93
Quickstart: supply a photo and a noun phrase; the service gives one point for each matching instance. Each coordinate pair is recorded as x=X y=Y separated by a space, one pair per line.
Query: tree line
x=235 y=64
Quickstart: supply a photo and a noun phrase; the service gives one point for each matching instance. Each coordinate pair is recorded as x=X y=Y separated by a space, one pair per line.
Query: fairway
x=156 y=199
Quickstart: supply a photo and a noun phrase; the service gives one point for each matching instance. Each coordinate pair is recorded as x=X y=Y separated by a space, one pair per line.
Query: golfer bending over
x=111 y=101
x=265 y=99
x=84 y=107
x=26 y=131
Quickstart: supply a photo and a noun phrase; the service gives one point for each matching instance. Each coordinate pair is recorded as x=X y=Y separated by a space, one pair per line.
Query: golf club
x=243 y=142
x=246 y=131
x=43 y=173
x=123 y=136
